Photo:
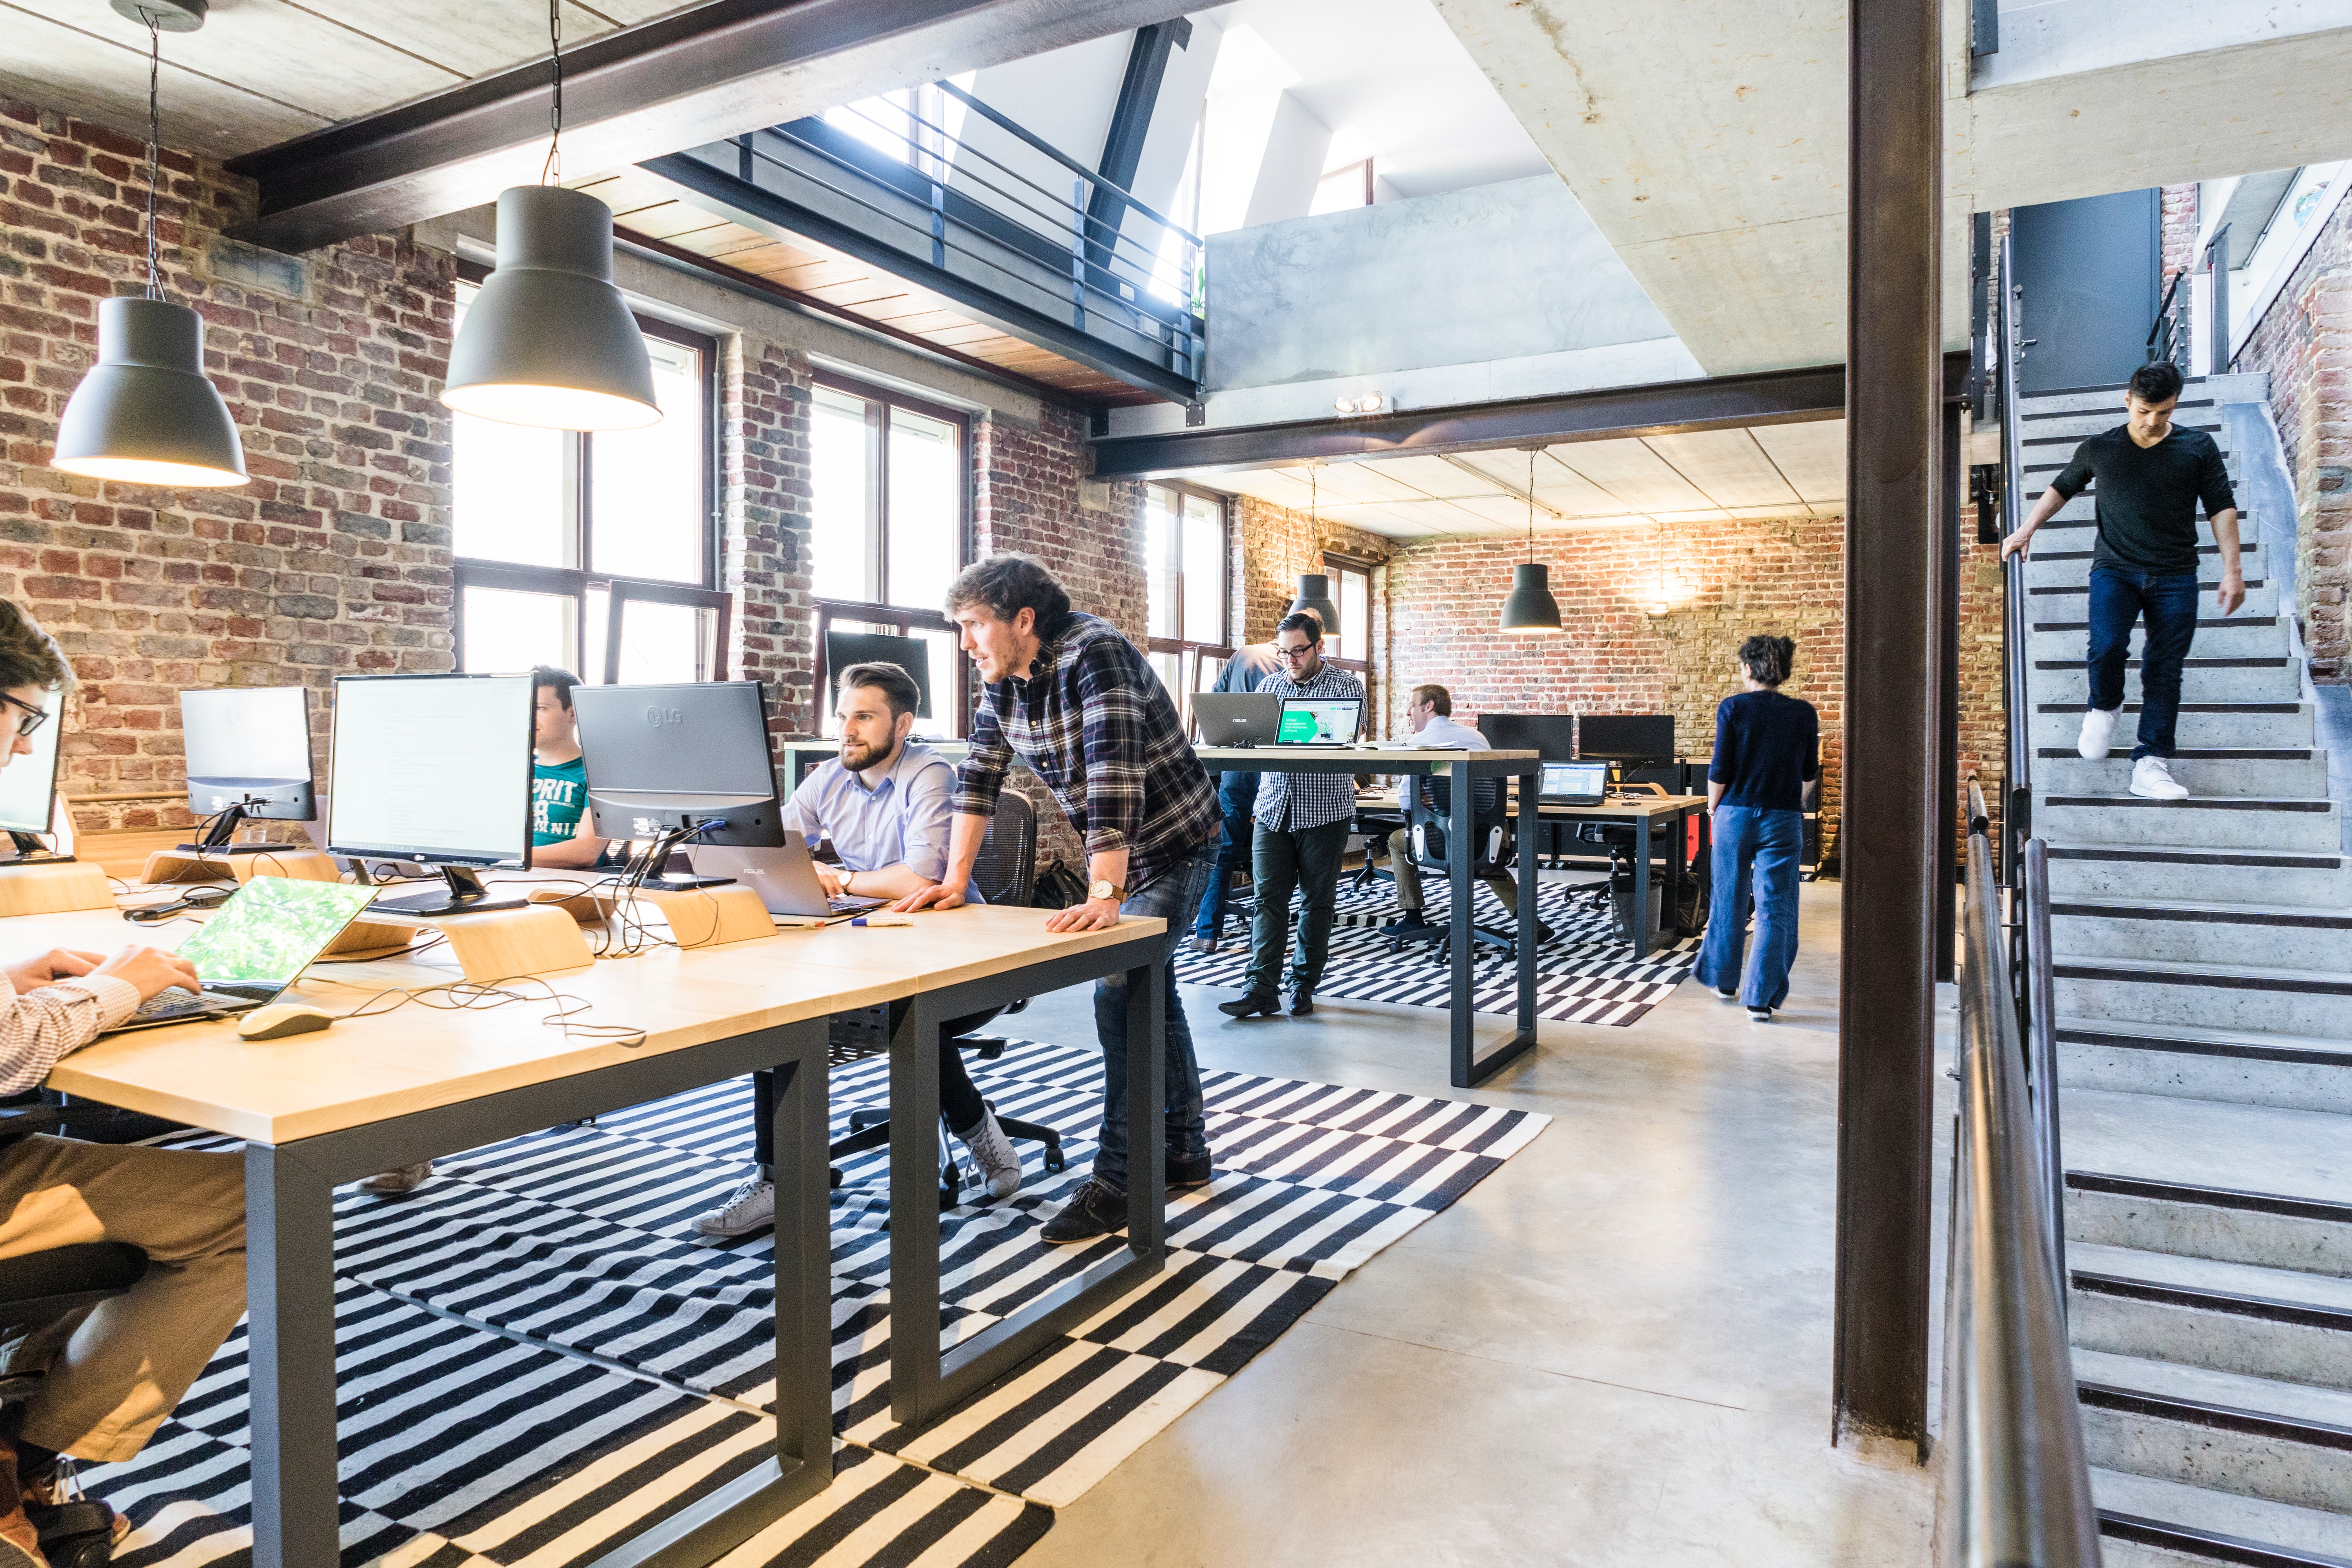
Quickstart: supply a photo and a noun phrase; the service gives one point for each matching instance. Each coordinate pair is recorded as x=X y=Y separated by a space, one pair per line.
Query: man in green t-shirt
x=559 y=777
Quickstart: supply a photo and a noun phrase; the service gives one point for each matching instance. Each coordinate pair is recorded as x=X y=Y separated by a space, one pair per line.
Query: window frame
x=576 y=580
x=958 y=701
x=1189 y=652
x=1338 y=567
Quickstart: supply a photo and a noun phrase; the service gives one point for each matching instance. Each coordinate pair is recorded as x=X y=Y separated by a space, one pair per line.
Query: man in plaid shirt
x=1068 y=695
x=1303 y=820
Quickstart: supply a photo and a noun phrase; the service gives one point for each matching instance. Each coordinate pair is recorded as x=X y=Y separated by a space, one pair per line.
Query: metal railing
x=2017 y=1488
x=2016 y=632
x=2167 y=335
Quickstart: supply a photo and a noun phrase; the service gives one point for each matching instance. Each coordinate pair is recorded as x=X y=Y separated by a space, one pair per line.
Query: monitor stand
x=28 y=848
x=219 y=838
x=658 y=858
x=463 y=894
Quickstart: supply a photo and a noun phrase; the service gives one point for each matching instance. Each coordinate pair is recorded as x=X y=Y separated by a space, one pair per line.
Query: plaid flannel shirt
x=1092 y=720
x=1309 y=800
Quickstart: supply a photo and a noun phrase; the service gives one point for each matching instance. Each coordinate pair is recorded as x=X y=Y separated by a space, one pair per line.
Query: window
x=1348 y=185
x=1352 y=646
x=595 y=553
x=1188 y=566
x=889 y=487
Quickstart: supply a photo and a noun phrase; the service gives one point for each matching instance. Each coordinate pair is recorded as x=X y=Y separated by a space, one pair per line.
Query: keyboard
x=178 y=1001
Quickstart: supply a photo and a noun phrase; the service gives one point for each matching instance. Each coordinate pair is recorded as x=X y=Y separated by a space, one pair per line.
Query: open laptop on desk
x=1573 y=783
x=1319 y=721
x=1237 y=718
x=784 y=877
x=259 y=943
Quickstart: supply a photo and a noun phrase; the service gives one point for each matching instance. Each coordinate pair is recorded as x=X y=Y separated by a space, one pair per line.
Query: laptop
x=1573 y=783
x=1237 y=718
x=1319 y=721
x=785 y=879
x=256 y=945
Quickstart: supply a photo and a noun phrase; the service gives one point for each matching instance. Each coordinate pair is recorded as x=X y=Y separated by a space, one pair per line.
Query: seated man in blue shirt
x=1430 y=713
x=885 y=805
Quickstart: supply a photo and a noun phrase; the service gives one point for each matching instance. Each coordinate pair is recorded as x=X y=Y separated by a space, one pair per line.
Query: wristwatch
x=1102 y=889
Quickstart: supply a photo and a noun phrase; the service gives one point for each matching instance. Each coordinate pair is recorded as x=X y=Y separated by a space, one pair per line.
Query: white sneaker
x=1000 y=1167
x=2098 y=731
x=2152 y=777
x=753 y=1207
x=397 y=1182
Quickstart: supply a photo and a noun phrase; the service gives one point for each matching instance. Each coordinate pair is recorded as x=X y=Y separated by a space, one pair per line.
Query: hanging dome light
x=1531 y=610
x=549 y=342
x=1315 y=587
x=145 y=414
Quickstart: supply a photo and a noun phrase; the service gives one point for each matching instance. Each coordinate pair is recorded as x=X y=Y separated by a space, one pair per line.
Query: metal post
x=1893 y=484
x=1460 y=828
x=2041 y=988
x=1947 y=709
x=2217 y=267
x=915 y=1210
x=289 y=1295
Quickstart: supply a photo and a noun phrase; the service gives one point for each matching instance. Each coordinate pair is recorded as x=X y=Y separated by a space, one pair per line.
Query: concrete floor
x=1614 y=1350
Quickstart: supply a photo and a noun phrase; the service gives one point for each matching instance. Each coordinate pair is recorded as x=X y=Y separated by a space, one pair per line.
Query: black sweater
x=1766 y=747
x=2148 y=495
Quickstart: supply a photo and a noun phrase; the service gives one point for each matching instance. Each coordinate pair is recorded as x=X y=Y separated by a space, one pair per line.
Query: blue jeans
x=2117 y=599
x=1167 y=896
x=1761 y=847
x=1236 y=798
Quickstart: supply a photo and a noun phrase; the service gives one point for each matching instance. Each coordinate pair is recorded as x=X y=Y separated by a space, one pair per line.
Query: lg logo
x=658 y=717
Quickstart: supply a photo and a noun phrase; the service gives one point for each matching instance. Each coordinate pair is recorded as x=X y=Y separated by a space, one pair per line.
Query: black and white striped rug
x=537 y=1357
x=1586 y=975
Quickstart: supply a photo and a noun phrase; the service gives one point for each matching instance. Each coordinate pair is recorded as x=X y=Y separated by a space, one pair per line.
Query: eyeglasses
x=1301 y=651
x=34 y=717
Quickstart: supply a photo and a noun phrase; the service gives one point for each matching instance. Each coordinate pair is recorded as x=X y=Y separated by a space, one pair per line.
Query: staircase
x=2204 y=966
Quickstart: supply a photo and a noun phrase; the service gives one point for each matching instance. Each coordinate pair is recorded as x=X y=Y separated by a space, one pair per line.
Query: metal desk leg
x=290 y=1287
x=915 y=1211
x=1147 y=1094
x=1642 y=885
x=1462 y=827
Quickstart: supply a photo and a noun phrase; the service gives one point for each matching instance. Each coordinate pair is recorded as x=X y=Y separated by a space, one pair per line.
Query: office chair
x=1490 y=852
x=1005 y=873
x=1674 y=921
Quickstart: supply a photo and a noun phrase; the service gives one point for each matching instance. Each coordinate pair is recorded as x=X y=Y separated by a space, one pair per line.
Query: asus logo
x=658 y=717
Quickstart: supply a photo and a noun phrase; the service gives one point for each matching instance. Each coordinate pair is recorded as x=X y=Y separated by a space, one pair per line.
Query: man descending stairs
x=2204 y=983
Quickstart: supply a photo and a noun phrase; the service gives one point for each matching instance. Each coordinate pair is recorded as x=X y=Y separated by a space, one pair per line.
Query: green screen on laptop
x=272 y=929
x=1307 y=721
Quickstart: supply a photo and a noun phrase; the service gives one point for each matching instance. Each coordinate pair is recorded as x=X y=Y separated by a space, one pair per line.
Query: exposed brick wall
x=2179 y=231
x=764 y=561
x=1984 y=717
x=1275 y=545
x=1030 y=494
x=1720 y=583
x=334 y=559
x=2304 y=342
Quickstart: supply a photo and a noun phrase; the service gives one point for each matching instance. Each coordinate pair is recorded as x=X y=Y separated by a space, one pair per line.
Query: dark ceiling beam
x=1661 y=408
x=681 y=81
x=1130 y=125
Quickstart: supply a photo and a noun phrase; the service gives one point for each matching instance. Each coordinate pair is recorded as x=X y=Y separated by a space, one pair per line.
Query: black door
x=2090 y=271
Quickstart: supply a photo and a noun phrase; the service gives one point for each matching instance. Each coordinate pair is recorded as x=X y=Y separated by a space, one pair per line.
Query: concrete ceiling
x=1712 y=152
x=1770 y=470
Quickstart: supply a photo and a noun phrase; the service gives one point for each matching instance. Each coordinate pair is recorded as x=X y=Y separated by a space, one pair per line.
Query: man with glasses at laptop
x=1302 y=826
x=111 y=1375
x=885 y=805
x=1429 y=711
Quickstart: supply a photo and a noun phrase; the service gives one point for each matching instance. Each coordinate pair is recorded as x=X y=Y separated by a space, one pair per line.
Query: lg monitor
x=1627 y=738
x=1551 y=734
x=248 y=756
x=675 y=764
x=434 y=769
x=28 y=785
x=912 y=654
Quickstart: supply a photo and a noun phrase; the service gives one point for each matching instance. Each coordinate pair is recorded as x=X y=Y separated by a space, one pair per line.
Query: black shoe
x=1093 y=1210
x=1183 y=1172
x=1257 y=1001
x=1410 y=920
x=1760 y=1014
x=1302 y=1004
x=1544 y=932
x=1730 y=996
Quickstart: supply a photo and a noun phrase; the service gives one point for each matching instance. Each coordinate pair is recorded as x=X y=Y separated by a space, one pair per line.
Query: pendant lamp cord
x=551 y=172
x=1531 y=505
x=154 y=146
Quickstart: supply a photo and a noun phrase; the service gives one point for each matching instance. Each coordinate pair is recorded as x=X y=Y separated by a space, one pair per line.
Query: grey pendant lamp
x=145 y=414
x=1531 y=610
x=549 y=342
x=1315 y=587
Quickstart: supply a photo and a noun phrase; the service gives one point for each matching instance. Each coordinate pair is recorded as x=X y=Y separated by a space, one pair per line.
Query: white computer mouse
x=280 y=1019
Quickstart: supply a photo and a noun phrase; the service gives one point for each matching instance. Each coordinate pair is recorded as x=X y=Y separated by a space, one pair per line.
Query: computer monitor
x=1551 y=734
x=248 y=756
x=680 y=762
x=28 y=785
x=1626 y=737
x=912 y=654
x=435 y=769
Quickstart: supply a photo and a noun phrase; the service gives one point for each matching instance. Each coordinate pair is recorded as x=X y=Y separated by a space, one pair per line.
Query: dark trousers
x=959 y=1100
x=1236 y=798
x=2169 y=600
x=1306 y=860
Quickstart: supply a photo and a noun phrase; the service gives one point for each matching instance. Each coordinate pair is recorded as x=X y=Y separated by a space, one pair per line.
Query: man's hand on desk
x=57 y=963
x=1094 y=914
x=937 y=896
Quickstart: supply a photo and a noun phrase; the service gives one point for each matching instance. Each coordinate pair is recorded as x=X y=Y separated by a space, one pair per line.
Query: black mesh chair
x=1005 y=873
x=1426 y=824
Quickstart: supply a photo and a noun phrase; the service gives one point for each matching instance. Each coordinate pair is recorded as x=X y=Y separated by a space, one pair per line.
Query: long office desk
x=374 y=1093
x=1468 y=1069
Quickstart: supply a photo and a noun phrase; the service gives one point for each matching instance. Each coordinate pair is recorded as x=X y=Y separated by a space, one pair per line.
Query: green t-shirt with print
x=559 y=796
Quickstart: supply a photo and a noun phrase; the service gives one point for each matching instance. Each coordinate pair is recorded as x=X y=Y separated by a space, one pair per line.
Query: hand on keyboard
x=149 y=969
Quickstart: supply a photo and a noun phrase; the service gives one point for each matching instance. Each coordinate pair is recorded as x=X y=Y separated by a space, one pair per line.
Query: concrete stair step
x=2077 y=520
x=2043 y=459
x=2041 y=429
x=2304 y=1234
x=2305 y=880
x=2069 y=599
x=2056 y=636
x=2198 y=726
x=2064 y=561
x=2211 y=1143
x=2251 y=1437
x=2294 y=770
x=2249 y=822
x=2146 y=1522
x=2236 y=997
x=2192 y=1062
x=2277 y=936
x=2282 y=1325
x=2257 y=678
x=2194 y=397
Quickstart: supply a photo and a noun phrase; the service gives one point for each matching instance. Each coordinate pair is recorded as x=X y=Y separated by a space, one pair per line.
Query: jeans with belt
x=1236 y=799
x=2118 y=598
x=1755 y=850
x=1169 y=896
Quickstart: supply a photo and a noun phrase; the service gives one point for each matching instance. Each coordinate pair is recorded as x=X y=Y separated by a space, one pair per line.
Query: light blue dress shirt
x=903 y=820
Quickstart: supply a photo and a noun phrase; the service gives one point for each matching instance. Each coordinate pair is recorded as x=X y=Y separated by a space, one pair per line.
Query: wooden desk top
x=1624 y=809
x=1357 y=760
x=417 y=1058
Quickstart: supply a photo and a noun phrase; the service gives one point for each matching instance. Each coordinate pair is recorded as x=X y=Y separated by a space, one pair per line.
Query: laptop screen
x=272 y=929
x=1566 y=779
x=1325 y=720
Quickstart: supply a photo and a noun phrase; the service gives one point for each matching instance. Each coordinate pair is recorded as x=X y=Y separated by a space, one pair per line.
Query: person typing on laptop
x=111 y=1375
x=886 y=805
x=1429 y=711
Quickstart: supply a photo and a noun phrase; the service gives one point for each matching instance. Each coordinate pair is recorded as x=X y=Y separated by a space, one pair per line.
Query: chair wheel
x=836 y=1178
x=1053 y=1160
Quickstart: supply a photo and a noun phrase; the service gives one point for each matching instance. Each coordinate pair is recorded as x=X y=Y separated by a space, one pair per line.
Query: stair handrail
x=2017 y=1486
x=2017 y=696
x=2040 y=992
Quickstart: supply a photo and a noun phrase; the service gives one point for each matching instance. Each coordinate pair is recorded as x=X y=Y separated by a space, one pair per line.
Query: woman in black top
x=1767 y=750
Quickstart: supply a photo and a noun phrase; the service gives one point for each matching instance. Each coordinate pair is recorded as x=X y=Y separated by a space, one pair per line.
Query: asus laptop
x=785 y=879
x=256 y=945
x=1237 y=718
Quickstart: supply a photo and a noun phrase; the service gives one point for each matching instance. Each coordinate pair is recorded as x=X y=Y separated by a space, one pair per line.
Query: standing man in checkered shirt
x=1303 y=821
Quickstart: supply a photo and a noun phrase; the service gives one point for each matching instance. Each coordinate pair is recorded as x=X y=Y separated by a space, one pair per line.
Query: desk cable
x=457 y=995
